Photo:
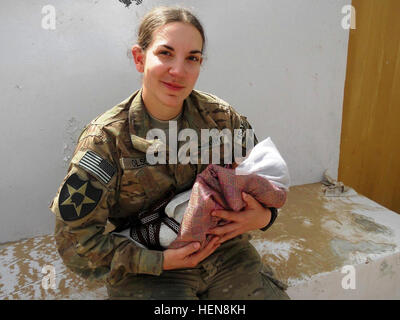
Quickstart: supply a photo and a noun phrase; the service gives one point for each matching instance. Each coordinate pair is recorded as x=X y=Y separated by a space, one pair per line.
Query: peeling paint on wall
x=129 y=2
x=72 y=131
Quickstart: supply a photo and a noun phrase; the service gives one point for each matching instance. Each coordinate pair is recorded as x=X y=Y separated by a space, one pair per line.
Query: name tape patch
x=133 y=163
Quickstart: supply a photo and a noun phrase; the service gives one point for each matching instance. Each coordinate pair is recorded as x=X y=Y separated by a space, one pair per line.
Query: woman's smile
x=173 y=86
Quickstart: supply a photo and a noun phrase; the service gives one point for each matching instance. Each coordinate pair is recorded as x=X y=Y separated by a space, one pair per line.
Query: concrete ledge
x=21 y=276
x=316 y=236
x=313 y=238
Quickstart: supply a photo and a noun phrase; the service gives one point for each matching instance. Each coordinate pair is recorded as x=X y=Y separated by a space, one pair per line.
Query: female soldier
x=110 y=180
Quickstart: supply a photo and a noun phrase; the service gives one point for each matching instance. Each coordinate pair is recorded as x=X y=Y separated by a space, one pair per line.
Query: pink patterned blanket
x=218 y=188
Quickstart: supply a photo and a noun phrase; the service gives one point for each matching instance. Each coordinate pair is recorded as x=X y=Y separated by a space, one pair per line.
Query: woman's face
x=170 y=65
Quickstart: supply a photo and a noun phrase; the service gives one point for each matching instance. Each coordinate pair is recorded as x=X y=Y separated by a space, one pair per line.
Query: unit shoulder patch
x=77 y=198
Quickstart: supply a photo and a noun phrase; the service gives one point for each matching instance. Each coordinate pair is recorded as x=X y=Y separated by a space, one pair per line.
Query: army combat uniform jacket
x=110 y=181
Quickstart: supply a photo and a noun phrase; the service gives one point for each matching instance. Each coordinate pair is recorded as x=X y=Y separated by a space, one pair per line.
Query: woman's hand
x=254 y=217
x=187 y=257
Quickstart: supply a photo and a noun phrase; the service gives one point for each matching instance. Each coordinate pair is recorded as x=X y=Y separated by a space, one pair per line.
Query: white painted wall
x=280 y=62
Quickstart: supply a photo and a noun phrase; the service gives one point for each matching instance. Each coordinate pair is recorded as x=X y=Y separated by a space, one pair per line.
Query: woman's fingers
x=179 y=258
x=206 y=251
x=189 y=249
x=251 y=202
x=226 y=215
x=227 y=228
x=188 y=256
x=229 y=236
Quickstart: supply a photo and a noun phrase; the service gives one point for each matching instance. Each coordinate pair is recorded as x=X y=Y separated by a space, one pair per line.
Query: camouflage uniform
x=109 y=180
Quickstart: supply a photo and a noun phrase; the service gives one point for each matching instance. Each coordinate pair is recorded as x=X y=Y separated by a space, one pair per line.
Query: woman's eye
x=166 y=53
x=193 y=58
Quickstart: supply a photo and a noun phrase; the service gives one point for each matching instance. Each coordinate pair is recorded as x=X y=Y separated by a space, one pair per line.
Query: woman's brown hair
x=160 y=16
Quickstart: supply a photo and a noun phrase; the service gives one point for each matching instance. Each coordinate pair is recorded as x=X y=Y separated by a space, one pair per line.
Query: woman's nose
x=177 y=68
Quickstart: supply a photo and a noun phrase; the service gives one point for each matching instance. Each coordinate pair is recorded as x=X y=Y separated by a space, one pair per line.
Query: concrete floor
x=313 y=240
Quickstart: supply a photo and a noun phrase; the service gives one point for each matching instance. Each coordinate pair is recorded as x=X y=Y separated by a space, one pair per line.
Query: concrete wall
x=280 y=62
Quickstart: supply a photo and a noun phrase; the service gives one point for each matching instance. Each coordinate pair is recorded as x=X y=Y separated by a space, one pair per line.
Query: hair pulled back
x=160 y=16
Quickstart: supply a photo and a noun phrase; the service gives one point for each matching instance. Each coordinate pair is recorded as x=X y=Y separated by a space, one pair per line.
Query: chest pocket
x=146 y=179
x=142 y=184
x=132 y=196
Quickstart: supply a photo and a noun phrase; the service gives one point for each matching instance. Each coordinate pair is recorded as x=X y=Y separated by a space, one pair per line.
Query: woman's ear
x=138 y=57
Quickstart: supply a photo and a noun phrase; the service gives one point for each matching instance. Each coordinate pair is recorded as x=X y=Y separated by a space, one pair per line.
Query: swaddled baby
x=263 y=175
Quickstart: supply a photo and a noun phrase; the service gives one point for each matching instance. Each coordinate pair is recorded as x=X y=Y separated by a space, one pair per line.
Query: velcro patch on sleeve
x=77 y=198
x=96 y=165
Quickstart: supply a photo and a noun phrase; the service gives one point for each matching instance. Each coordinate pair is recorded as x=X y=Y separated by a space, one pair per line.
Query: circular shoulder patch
x=77 y=198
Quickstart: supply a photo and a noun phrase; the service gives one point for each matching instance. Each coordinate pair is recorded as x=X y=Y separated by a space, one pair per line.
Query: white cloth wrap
x=266 y=161
x=175 y=209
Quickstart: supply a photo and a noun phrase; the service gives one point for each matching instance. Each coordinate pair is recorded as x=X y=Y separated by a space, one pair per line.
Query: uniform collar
x=193 y=116
x=139 y=122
